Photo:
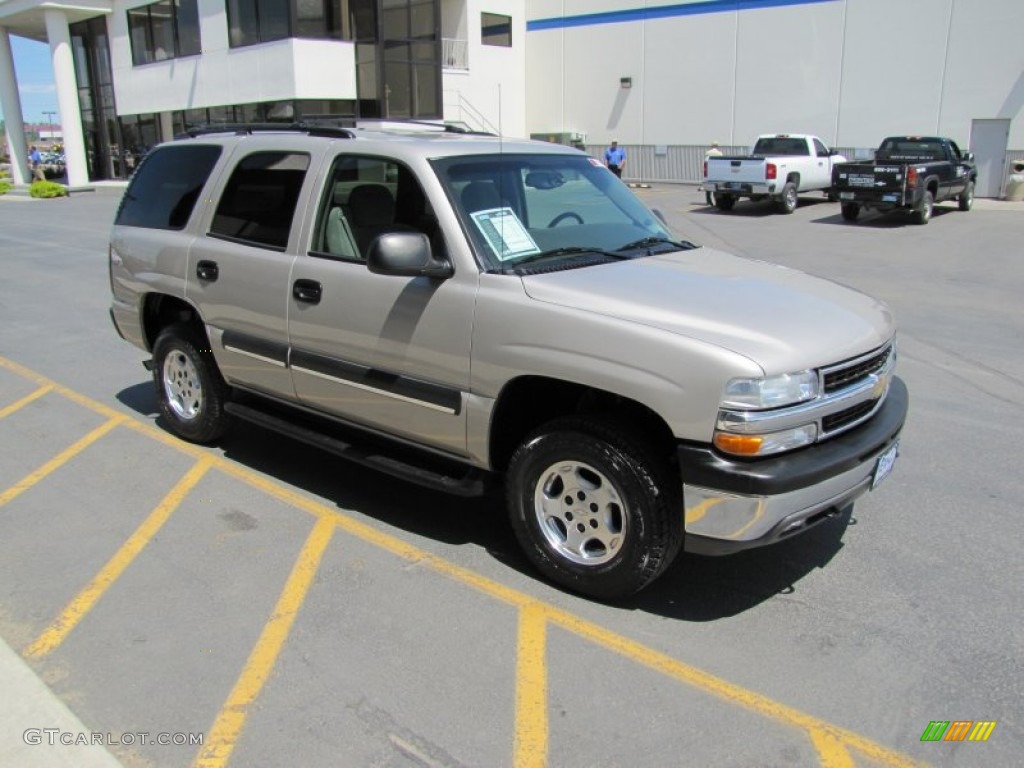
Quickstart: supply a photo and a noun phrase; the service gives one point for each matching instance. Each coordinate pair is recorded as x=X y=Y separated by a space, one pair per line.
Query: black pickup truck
x=909 y=173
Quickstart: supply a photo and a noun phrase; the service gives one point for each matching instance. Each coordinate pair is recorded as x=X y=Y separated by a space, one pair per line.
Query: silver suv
x=450 y=308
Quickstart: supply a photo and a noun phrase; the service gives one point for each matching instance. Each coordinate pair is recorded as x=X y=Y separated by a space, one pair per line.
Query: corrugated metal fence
x=684 y=164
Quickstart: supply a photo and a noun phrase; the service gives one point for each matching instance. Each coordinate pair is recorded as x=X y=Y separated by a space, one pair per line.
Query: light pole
x=49 y=123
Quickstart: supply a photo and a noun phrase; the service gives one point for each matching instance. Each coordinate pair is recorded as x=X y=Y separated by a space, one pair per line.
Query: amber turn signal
x=738 y=445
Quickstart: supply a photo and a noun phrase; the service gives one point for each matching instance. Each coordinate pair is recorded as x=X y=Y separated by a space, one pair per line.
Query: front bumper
x=733 y=505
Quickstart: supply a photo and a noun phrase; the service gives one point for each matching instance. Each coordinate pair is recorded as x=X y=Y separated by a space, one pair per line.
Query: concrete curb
x=26 y=708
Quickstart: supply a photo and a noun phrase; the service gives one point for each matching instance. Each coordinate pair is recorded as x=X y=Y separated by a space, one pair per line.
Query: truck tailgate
x=736 y=170
x=863 y=181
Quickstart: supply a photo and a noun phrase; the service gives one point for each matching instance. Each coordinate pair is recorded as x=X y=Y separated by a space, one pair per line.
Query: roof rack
x=243 y=129
x=441 y=127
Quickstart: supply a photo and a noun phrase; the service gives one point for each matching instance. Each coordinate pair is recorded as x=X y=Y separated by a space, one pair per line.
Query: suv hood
x=782 y=319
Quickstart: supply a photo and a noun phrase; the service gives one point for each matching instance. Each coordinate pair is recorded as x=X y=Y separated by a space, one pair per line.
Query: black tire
x=189 y=387
x=593 y=508
x=724 y=202
x=850 y=211
x=966 y=199
x=923 y=213
x=787 y=200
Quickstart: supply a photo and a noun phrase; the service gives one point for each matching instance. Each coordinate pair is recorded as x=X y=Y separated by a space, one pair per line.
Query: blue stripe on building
x=663 y=12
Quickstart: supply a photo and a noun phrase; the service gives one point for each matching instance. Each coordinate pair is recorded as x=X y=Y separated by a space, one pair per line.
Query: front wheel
x=788 y=199
x=593 y=508
x=967 y=197
x=190 y=389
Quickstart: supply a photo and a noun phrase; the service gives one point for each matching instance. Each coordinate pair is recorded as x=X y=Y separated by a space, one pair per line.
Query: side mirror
x=406 y=254
x=967 y=157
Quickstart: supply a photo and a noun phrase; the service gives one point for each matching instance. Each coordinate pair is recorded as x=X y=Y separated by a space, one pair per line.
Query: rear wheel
x=724 y=202
x=967 y=197
x=190 y=389
x=593 y=508
x=788 y=199
x=850 y=211
x=923 y=213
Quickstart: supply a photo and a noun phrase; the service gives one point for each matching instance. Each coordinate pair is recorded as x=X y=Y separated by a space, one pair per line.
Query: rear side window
x=166 y=186
x=259 y=201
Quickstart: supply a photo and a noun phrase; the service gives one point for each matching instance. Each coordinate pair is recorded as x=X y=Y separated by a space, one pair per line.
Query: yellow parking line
x=831 y=751
x=830 y=740
x=59 y=460
x=531 y=739
x=76 y=610
x=228 y=726
x=25 y=400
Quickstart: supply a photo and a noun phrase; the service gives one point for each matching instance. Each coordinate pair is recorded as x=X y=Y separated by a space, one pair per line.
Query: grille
x=839 y=420
x=840 y=378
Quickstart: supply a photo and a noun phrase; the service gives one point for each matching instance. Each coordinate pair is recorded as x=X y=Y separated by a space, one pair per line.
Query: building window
x=496 y=29
x=164 y=30
x=322 y=19
x=258 y=21
x=289 y=110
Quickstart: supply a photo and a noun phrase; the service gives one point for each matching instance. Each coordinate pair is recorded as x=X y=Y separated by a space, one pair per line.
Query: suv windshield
x=520 y=208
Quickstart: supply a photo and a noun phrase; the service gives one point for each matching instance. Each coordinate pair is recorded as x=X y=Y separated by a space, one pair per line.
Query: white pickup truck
x=780 y=167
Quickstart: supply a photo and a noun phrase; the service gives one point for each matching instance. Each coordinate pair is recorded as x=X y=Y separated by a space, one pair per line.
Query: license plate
x=846 y=195
x=889 y=198
x=732 y=185
x=884 y=465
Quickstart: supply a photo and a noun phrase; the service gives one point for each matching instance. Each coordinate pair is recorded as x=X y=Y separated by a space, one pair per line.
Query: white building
x=668 y=78
x=664 y=78
x=131 y=73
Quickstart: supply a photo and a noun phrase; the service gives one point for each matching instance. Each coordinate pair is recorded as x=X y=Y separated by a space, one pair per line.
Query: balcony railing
x=454 y=53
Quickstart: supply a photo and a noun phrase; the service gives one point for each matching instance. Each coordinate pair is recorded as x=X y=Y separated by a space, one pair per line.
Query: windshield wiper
x=646 y=242
x=566 y=251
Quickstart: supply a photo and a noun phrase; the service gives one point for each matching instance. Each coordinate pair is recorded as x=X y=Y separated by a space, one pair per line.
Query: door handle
x=308 y=291
x=207 y=270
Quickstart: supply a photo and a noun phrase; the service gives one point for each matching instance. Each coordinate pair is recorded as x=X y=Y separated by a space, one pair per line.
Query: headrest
x=371 y=205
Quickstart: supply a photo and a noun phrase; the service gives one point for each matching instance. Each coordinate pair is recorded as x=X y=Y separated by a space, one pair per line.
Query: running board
x=470 y=483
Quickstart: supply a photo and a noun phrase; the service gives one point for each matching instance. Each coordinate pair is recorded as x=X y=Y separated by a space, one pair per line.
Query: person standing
x=615 y=158
x=35 y=161
x=709 y=198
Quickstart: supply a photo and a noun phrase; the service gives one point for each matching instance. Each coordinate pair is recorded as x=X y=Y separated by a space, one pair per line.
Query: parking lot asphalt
x=290 y=610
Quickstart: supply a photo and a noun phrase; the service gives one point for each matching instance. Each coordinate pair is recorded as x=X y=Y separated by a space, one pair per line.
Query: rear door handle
x=207 y=270
x=308 y=291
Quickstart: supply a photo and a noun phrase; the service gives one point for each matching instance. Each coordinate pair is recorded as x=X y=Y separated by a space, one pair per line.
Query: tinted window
x=164 y=189
x=259 y=201
x=257 y=21
x=781 y=145
x=164 y=30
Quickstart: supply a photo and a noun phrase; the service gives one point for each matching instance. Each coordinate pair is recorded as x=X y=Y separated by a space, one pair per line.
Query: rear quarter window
x=165 y=187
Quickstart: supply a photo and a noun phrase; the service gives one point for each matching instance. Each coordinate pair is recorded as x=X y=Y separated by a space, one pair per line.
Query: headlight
x=772 y=391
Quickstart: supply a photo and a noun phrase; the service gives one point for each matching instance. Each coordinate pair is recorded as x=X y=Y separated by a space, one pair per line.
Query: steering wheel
x=563 y=216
